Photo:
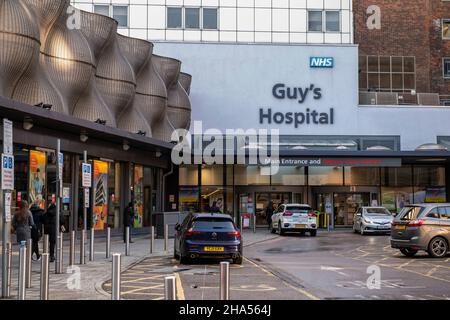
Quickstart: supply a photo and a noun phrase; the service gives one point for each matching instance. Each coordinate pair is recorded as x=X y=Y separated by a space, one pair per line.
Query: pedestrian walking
x=49 y=220
x=36 y=231
x=128 y=220
x=269 y=214
x=214 y=208
x=22 y=222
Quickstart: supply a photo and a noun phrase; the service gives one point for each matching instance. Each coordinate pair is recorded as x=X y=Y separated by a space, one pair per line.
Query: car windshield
x=377 y=212
x=298 y=209
x=213 y=223
x=410 y=213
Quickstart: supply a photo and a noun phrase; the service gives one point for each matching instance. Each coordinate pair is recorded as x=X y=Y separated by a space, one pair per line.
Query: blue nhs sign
x=321 y=62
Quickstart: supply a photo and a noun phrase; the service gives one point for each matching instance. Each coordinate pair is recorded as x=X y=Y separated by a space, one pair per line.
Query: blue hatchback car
x=207 y=235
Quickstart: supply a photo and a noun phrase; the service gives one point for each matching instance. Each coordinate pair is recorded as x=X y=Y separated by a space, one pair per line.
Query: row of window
x=117 y=12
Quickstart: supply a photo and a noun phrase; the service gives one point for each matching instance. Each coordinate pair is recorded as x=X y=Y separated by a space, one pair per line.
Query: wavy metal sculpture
x=19 y=38
x=186 y=81
x=34 y=86
x=88 y=70
x=98 y=30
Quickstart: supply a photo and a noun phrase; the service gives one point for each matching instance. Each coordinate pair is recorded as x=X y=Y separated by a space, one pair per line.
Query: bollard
x=241 y=225
x=166 y=237
x=6 y=277
x=22 y=271
x=28 y=264
x=115 y=277
x=152 y=239
x=44 y=276
x=254 y=223
x=328 y=221
x=108 y=243
x=91 y=245
x=45 y=246
x=72 y=248
x=127 y=241
x=170 y=291
x=225 y=281
x=60 y=254
x=83 y=247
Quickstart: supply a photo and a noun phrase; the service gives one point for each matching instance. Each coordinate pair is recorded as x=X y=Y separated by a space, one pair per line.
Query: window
x=192 y=18
x=333 y=21
x=387 y=74
x=433 y=213
x=209 y=18
x=174 y=19
x=446 y=29
x=120 y=13
x=446 y=65
x=102 y=9
x=444 y=212
x=315 y=21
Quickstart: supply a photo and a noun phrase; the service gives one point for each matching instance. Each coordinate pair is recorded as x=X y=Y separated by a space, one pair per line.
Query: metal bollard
x=328 y=221
x=22 y=271
x=108 y=243
x=170 y=290
x=166 y=237
x=60 y=254
x=83 y=247
x=6 y=276
x=127 y=241
x=44 y=276
x=152 y=239
x=45 y=249
x=28 y=264
x=241 y=225
x=115 y=277
x=254 y=223
x=72 y=248
x=91 y=245
x=225 y=281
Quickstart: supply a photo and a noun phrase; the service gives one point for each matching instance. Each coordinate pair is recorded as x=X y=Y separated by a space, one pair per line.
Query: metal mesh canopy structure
x=75 y=61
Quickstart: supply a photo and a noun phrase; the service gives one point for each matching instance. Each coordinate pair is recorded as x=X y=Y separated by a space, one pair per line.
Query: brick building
x=409 y=51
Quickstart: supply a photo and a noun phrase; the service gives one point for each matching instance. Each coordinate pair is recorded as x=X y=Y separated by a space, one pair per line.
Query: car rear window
x=410 y=213
x=298 y=209
x=212 y=223
x=378 y=212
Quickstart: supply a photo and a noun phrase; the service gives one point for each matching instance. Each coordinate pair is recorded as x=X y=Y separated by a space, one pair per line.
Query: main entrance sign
x=336 y=162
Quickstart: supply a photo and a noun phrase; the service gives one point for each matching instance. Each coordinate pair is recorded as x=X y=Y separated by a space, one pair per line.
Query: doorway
x=262 y=202
x=346 y=205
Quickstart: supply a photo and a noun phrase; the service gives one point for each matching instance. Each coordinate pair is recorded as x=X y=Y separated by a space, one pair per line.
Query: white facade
x=247 y=21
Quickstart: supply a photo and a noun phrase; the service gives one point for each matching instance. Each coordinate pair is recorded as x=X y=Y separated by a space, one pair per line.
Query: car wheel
x=408 y=252
x=361 y=230
x=184 y=259
x=272 y=229
x=238 y=260
x=313 y=233
x=280 y=230
x=438 y=247
x=175 y=254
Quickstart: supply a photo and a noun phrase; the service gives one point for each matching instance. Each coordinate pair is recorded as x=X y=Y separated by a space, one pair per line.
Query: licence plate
x=214 y=249
x=300 y=226
x=399 y=227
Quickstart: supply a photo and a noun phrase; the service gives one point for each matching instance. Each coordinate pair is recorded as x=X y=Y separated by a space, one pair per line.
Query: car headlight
x=367 y=221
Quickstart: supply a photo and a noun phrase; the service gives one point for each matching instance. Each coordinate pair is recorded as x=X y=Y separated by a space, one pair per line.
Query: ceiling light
x=83 y=137
x=28 y=123
x=126 y=146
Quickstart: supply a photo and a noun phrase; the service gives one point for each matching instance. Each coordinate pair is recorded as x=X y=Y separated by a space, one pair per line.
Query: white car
x=372 y=220
x=294 y=218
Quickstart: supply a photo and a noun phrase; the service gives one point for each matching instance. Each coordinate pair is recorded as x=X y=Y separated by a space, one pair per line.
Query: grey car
x=372 y=220
x=422 y=227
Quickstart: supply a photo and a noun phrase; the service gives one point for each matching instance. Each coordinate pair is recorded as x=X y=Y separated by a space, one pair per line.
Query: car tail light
x=415 y=223
x=235 y=233
x=287 y=214
x=191 y=232
x=311 y=214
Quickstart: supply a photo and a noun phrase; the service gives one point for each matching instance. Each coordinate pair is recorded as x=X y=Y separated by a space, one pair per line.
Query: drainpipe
x=164 y=186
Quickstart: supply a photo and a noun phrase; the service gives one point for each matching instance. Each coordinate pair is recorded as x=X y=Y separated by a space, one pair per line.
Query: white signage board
x=60 y=172
x=87 y=175
x=7 y=207
x=7 y=172
x=7 y=136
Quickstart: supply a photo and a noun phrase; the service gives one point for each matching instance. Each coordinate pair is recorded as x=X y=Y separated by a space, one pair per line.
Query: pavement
x=91 y=281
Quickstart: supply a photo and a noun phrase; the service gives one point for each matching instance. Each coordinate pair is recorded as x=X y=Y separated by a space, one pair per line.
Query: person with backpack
x=22 y=222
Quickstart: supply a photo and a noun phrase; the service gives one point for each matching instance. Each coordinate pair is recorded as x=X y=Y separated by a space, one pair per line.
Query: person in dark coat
x=23 y=222
x=49 y=220
x=128 y=220
x=214 y=208
x=36 y=231
x=269 y=213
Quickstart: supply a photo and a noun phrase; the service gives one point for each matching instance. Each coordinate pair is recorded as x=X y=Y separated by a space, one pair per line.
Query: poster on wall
x=100 y=193
x=188 y=199
x=435 y=195
x=37 y=178
x=138 y=196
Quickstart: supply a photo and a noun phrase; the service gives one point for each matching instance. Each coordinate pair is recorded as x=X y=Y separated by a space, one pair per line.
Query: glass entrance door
x=262 y=203
x=346 y=205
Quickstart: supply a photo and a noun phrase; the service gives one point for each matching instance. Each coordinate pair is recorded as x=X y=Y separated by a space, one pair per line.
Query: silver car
x=422 y=227
x=372 y=220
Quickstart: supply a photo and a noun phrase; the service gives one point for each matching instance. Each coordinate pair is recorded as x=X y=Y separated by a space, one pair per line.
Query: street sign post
x=87 y=175
x=7 y=172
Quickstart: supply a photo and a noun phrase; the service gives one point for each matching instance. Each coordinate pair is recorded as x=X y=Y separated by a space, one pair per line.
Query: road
x=334 y=265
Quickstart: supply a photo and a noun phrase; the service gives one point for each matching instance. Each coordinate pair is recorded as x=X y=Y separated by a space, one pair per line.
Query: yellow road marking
x=259 y=267
x=180 y=291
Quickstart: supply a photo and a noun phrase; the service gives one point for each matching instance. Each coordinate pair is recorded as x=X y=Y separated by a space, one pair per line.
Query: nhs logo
x=321 y=62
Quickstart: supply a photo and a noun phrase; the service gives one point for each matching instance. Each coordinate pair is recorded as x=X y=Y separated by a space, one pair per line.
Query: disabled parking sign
x=7 y=172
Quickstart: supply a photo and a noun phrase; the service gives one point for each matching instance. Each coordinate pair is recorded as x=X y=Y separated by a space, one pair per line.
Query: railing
x=398 y=98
